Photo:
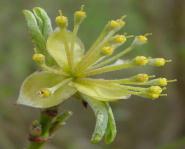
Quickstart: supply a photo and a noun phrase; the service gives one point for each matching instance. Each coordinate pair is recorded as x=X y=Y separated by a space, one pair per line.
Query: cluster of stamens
x=102 y=55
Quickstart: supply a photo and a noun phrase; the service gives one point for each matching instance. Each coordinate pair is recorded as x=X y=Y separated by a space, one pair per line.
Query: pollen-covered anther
x=61 y=21
x=159 y=62
x=163 y=82
x=153 y=96
x=141 y=60
x=38 y=58
x=79 y=16
x=45 y=92
x=120 y=39
x=142 y=78
x=155 y=90
x=107 y=50
x=140 y=40
x=116 y=24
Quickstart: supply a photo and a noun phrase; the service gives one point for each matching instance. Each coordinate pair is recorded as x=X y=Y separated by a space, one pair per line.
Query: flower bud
x=107 y=50
x=35 y=129
x=140 y=60
x=39 y=58
x=61 y=21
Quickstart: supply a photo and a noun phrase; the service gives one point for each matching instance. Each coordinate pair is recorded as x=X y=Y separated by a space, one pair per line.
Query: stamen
x=120 y=39
x=141 y=78
x=39 y=58
x=79 y=16
x=138 y=61
x=61 y=21
x=158 y=62
x=141 y=60
x=140 y=40
x=107 y=50
x=91 y=56
x=46 y=92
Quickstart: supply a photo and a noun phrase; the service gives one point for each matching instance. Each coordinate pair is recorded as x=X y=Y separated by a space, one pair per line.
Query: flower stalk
x=43 y=130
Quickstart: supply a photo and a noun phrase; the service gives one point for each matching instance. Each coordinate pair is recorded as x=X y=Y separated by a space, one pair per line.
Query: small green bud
x=35 y=129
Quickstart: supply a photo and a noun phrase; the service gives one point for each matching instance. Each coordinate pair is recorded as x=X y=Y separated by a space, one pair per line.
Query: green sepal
x=35 y=32
x=101 y=114
x=43 y=21
x=111 y=130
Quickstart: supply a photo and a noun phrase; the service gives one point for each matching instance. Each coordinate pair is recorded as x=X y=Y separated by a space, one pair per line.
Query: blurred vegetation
x=142 y=124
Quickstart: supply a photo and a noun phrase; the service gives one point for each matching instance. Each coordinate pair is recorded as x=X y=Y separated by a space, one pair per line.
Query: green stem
x=50 y=122
x=45 y=121
x=35 y=145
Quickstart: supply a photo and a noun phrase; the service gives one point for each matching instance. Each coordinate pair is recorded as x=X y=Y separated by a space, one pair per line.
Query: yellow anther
x=155 y=90
x=142 y=39
x=114 y=24
x=120 y=39
x=159 y=62
x=142 y=78
x=141 y=60
x=163 y=81
x=153 y=96
x=121 y=22
x=107 y=50
x=38 y=58
x=61 y=21
x=45 y=92
x=80 y=15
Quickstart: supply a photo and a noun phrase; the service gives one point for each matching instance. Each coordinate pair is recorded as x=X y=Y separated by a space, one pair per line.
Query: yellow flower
x=67 y=69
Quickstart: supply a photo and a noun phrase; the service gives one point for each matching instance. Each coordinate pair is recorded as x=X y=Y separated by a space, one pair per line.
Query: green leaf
x=56 y=48
x=34 y=30
x=101 y=114
x=35 y=82
x=101 y=90
x=111 y=127
x=43 y=21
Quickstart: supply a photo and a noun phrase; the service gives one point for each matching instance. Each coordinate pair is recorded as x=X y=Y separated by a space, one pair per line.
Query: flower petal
x=29 y=90
x=56 y=47
x=101 y=114
x=101 y=90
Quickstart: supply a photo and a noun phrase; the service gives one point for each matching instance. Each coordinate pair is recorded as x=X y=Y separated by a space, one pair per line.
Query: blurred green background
x=142 y=123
